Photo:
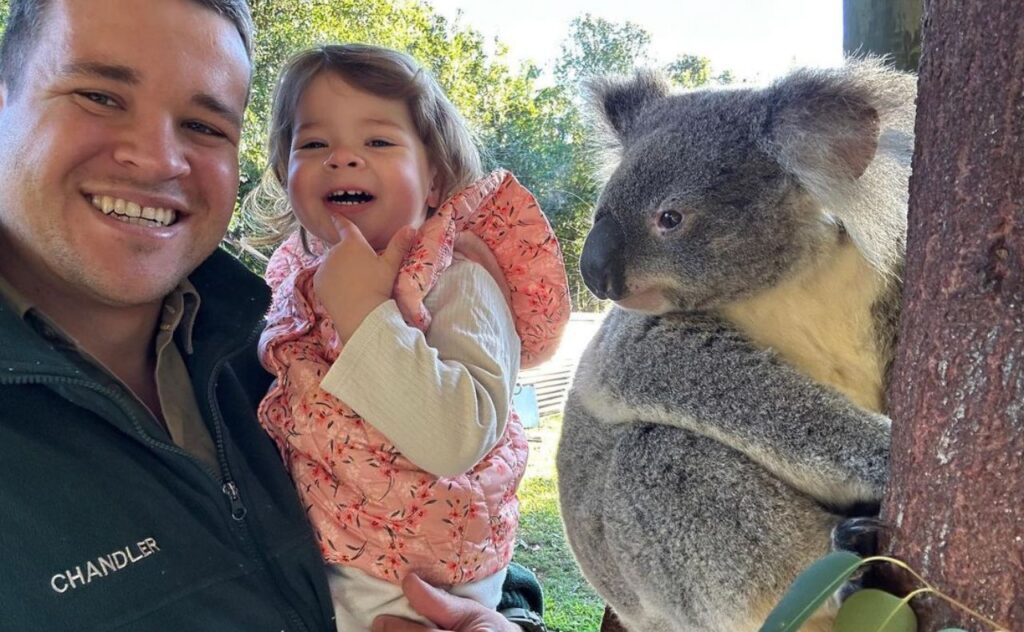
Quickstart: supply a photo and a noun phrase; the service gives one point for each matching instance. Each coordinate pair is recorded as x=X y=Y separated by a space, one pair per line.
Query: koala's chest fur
x=821 y=322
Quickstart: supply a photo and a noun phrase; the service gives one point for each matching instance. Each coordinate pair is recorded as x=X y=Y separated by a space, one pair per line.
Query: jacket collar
x=233 y=301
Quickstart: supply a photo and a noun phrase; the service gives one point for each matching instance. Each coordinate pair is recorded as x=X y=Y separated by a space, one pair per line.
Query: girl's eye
x=379 y=142
x=312 y=144
x=668 y=220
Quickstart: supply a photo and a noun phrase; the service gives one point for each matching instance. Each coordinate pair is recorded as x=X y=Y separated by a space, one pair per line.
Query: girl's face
x=357 y=155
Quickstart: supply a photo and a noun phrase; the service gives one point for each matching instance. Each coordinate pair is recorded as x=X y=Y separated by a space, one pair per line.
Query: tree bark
x=957 y=393
x=884 y=27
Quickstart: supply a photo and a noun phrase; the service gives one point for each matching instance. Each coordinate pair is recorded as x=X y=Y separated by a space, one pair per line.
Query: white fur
x=820 y=321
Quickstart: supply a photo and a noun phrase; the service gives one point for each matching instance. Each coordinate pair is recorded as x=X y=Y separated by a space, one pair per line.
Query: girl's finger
x=346 y=229
x=398 y=247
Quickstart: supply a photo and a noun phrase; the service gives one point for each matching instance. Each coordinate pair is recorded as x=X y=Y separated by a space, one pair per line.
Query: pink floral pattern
x=371 y=507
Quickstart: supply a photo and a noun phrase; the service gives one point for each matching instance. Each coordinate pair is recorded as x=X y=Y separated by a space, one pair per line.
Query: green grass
x=570 y=604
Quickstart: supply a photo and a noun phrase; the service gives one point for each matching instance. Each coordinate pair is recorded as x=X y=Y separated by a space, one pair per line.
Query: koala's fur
x=730 y=411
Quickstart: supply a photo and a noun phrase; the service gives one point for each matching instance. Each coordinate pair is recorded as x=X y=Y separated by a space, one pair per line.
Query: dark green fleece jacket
x=105 y=527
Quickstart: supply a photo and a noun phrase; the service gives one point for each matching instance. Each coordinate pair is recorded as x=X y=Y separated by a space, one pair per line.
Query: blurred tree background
x=525 y=121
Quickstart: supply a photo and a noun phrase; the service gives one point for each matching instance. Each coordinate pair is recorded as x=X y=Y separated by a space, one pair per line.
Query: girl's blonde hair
x=384 y=73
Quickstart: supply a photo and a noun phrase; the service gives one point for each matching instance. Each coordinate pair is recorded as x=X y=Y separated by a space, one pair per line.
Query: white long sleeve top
x=442 y=397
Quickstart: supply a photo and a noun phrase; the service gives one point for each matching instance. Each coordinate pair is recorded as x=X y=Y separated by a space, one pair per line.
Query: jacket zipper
x=238 y=510
x=230 y=489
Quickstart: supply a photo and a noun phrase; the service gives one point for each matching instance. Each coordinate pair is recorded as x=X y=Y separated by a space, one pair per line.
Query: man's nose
x=342 y=156
x=153 y=149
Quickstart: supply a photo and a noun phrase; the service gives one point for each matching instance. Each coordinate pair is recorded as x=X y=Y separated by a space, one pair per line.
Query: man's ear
x=619 y=102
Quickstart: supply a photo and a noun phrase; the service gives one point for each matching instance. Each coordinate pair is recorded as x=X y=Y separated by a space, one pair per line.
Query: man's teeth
x=132 y=213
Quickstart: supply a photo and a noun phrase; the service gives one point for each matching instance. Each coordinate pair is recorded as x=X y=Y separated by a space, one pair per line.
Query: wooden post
x=884 y=27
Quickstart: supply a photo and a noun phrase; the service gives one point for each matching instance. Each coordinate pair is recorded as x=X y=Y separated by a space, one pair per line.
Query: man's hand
x=448 y=612
x=353 y=279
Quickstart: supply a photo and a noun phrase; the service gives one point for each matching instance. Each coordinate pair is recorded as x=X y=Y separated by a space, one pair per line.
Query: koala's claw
x=858 y=535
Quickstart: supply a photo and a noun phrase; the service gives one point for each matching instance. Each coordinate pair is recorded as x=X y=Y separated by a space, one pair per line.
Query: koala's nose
x=601 y=260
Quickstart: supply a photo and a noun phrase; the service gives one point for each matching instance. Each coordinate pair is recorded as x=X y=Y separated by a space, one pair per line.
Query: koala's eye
x=668 y=220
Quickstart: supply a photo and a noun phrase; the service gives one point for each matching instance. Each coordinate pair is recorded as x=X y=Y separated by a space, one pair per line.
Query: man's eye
x=203 y=128
x=99 y=98
x=380 y=142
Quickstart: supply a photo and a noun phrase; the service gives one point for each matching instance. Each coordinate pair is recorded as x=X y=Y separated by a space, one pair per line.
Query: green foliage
x=866 y=610
x=872 y=610
x=596 y=46
x=811 y=589
x=689 y=71
x=724 y=77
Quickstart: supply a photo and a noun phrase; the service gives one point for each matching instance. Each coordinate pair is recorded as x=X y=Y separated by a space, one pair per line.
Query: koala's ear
x=827 y=122
x=618 y=102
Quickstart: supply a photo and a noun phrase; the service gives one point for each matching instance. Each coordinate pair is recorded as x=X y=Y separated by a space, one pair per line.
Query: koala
x=730 y=412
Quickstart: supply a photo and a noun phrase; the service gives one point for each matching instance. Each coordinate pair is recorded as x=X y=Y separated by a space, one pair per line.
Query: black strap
x=528 y=620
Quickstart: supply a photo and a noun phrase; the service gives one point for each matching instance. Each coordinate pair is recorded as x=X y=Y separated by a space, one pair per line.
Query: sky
x=755 y=39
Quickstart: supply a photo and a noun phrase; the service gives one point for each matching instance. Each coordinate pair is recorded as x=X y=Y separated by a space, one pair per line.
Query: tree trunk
x=884 y=27
x=957 y=394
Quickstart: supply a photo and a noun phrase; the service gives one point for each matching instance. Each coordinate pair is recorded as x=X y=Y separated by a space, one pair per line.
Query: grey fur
x=706 y=454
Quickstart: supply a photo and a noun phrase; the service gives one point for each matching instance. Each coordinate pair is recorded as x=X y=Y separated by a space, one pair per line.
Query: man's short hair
x=25 y=23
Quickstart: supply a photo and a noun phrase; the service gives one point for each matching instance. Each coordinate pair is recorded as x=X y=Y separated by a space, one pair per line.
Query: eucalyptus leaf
x=810 y=589
x=872 y=610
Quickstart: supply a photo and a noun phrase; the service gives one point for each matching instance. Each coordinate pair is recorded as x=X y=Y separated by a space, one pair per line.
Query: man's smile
x=133 y=213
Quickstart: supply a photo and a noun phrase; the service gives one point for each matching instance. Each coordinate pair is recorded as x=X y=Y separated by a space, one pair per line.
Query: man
x=138 y=490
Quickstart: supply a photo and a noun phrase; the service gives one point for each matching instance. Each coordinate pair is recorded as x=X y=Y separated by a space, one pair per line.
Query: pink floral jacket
x=371 y=507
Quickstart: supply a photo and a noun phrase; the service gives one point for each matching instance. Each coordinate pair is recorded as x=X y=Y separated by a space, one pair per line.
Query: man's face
x=119 y=150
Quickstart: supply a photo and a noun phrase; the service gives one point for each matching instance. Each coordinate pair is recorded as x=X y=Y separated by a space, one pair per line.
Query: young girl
x=395 y=371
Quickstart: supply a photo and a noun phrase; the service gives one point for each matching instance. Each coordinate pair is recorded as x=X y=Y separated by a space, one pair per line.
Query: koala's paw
x=858 y=535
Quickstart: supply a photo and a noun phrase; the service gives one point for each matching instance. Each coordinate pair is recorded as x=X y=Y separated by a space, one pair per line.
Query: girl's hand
x=353 y=279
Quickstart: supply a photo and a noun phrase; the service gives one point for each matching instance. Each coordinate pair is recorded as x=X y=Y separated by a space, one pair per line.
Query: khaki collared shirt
x=182 y=422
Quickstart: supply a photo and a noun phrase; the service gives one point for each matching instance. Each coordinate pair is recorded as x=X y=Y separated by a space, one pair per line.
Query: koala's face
x=696 y=213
